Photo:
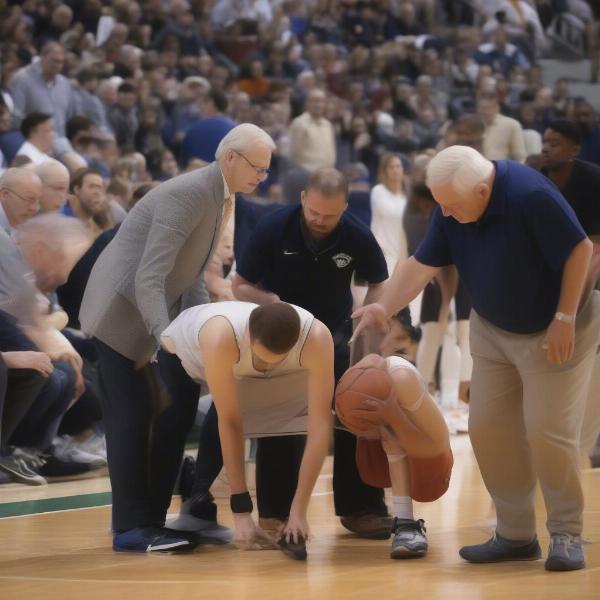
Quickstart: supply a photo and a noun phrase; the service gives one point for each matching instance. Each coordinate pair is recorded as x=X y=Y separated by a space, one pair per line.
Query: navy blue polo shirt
x=511 y=260
x=278 y=258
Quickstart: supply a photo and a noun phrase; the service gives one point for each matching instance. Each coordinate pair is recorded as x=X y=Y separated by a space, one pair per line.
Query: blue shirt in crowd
x=511 y=260
x=203 y=138
x=278 y=258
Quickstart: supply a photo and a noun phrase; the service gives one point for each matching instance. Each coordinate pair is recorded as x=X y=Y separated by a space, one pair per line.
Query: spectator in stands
x=10 y=139
x=40 y=87
x=38 y=131
x=55 y=185
x=502 y=56
x=312 y=138
x=86 y=101
x=587 y=119
x=123 y=116
x=202 y=139
x=503 y=137
x=88 y=201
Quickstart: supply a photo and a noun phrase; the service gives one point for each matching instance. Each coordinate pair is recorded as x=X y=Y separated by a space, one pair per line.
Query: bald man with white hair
x=55 y=180
x=524 y=260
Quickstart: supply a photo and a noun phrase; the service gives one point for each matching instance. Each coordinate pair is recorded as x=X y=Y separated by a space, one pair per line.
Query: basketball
x=356 y=385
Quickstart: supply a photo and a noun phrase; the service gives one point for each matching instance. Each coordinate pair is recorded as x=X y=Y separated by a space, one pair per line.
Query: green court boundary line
x=45 y=505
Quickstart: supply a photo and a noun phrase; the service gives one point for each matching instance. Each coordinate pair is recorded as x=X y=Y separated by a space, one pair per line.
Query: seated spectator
x=38 y=131
x=87 y=103
x=202 y=139
x=503 y=137
x=162 y=164
x=253 y=82
x=47 y=246
x=183 y=27
x=118 y=191
x=55 y=180
x=311 y=135
x=502 y=56
x=40 y=86
x=88 y=201
x=10 y=139
x=587 y=119
x=123 y=115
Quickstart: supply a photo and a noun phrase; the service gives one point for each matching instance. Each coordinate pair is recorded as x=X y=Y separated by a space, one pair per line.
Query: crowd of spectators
x=101 y=100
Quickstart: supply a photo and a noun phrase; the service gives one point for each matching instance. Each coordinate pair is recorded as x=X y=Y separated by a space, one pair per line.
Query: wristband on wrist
x=241 y=503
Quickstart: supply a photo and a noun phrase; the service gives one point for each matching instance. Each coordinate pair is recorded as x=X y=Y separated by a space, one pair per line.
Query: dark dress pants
x=144 y=453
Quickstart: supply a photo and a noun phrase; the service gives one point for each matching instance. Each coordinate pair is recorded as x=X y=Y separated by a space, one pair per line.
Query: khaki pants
x=590 y=427
x=525 y=422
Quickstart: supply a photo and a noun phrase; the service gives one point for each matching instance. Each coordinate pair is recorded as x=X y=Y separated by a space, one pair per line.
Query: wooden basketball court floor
x=64 y=552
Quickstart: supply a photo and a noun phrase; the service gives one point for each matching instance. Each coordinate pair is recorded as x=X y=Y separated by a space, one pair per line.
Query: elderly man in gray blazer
x=148 y=274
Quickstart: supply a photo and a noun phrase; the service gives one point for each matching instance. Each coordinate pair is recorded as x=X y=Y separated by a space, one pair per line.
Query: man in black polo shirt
x=524 y=259
x=578 y=180
x=579 y=183
x=307 y=255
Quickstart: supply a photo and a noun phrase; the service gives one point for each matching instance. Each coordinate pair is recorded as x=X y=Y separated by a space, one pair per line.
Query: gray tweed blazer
x=152 y=269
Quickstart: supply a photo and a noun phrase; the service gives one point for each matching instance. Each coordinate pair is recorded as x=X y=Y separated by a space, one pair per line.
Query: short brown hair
x=80 y=175
x=329 y=182
x=276 y=326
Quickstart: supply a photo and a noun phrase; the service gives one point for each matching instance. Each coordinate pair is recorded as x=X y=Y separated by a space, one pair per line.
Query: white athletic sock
x=402 y=507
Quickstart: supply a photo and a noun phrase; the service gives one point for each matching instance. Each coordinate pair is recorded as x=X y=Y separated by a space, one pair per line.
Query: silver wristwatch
x=559 y=316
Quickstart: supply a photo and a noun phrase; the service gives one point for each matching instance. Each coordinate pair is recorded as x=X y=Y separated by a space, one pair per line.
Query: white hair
x=243 y=137
x=57 y=232
x=461 y=166
x=50 y=167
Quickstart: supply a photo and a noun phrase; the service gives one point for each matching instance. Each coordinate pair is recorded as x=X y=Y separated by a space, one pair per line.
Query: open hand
x=296 y=528
x=559 y=342
x=249 y=536
x=371 y=315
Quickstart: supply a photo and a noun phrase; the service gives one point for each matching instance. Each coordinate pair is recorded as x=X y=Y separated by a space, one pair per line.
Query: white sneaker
x=67 y=449
x=95 y=444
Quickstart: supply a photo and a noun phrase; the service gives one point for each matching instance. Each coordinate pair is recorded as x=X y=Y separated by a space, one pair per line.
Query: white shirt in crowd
x=387 y=211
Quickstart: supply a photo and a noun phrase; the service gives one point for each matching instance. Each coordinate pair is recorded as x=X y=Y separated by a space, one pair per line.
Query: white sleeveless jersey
x=273 y=402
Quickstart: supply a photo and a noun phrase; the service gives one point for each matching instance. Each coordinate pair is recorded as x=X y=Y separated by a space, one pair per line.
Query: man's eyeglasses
x=262 y=171
x=23 y=198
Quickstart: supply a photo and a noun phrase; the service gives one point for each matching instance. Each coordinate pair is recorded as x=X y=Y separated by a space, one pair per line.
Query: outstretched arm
x=407 y=280
x=220 y=354
x=317 y=357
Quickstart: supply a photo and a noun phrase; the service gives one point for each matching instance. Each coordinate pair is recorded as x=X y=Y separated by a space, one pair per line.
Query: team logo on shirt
x=341 y=260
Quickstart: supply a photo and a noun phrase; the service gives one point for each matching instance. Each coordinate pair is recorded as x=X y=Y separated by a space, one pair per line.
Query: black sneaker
x=408 y=539
x=150 y=539
x=17 y=469
x=294 y=550
x=499 y=549
x=56 y=467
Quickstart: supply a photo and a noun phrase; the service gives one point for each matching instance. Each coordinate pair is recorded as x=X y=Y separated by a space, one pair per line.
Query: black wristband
x=241 y=503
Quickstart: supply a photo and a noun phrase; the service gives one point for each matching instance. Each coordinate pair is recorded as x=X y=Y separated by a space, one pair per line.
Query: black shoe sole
x=292 y=550
x=496 y=560
x=407 y=554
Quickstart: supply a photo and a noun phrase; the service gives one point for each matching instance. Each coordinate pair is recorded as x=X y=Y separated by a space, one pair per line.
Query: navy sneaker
x=498 y=549
x=408 y=538
x=565 y=553
x=150 y=539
